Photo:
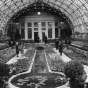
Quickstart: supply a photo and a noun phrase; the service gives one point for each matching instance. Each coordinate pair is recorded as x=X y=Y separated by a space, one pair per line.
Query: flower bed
x=81 y=44
x=55 y=62
x=3 y=46
x=7 y=54
x=28 y=45
x=24 y=63
x=75 y=55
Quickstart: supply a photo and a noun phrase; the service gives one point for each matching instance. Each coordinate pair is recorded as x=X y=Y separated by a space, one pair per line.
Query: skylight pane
x=73 y=6
x=85 y=18
x=0 y=2
x=80 y=21
x=18 y=3
x=86 y=5
x=9 y=3
x=64 y=6
x=13 y=6
x=56 y=6
x=82 y=18
x=84 y=9
x=78 y=2
x=82 y=13
x=83 y=1
x=78 y=13
x=52 y=1
x=69 y=10
x=58 y=3
x=3 y=8
x=74 y=16
x=67 y=2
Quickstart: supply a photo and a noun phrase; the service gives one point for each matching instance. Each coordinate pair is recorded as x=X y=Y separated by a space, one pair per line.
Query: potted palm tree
x=74 y=70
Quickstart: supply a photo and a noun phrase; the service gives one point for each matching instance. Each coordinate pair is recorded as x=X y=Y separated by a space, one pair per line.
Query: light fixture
x=39 y=13
x=39 y=22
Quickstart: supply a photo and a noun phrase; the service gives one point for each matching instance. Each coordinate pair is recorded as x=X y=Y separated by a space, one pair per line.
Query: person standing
x=17 y=49
x=45 y=39
x=56 y=43
x=22 y=48
x=61 y=47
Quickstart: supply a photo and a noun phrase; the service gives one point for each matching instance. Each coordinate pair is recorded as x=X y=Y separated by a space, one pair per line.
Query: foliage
x=6 y=54
x=4 y=70
x=76 y=54
x=13 y=31
x=73 y=69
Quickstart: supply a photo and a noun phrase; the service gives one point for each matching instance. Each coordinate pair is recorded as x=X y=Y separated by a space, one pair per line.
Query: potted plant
x=75 y=71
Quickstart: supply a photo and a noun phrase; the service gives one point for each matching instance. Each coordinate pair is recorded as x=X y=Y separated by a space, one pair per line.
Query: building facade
x=39 y=23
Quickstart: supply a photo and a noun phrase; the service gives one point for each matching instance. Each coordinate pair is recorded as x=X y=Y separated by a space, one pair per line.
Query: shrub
x=73 y=69
x=4 y=70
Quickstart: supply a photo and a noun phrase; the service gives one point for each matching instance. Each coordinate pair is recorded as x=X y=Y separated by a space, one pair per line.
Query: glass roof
x=75 y=10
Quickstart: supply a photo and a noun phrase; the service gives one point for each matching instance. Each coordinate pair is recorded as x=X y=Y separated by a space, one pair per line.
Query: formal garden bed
x=3 y=46
x=76 y=54
x=54 y=61
x=23 y=64
x=7 y=54
x=82 y=44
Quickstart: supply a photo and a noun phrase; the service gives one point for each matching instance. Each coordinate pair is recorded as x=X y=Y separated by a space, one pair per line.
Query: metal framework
x=75 y=10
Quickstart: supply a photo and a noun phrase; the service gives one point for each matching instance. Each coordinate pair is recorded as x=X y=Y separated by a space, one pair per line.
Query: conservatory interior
x=43 y=44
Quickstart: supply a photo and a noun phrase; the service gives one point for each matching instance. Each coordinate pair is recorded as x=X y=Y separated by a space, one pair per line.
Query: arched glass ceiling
x=75 y=10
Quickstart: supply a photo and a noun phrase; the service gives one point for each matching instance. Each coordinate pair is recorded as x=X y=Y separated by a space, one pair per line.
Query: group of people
x=59 y=45
x=37 y=39
x=19 y=47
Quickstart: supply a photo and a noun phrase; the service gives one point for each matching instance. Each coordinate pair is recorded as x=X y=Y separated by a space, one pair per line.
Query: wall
x=44 y=16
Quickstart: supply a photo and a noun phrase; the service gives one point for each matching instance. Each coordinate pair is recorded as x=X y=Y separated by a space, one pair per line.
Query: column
x=26 y=33
x=32 y=31
x=58 y=32
x=53 y=29
x=39 y=30
x=47 y=29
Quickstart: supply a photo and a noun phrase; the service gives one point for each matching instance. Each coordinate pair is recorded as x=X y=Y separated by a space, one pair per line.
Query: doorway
x=43 y=36
x=35 y=37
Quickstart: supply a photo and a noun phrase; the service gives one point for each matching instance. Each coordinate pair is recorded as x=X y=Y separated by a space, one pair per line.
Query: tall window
x=49 y=29
x=56 y=29
x=43 y=25
x=35 y=26
x=29 y=25
x=22 y=25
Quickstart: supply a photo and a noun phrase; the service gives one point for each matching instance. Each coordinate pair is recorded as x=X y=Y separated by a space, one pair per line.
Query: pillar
x=26 y=31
